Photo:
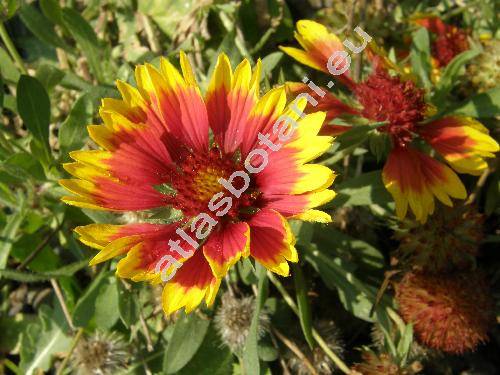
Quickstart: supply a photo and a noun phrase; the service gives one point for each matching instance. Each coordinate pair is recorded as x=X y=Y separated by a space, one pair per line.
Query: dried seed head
x=100 y=354
x=320 y=361
x=449 y=240
x=382 y=364
x=233 y=319
x=452 y=313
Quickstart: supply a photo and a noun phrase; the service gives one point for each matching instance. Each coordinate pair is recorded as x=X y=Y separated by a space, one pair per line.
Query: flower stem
x=64 y=363
x=64 y=307
x=295 y=349
x=317 y=337
x=11 y=48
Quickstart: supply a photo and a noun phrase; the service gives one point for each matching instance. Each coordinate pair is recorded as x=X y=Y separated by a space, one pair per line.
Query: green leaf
x=247 y=271
x=486 y=104
x=8 y=69
x=270 y=62
x=167 y=15
x=353 y=137
x=302 y=230
x=49 y=76
x=52 y=11
x=8 y=235
x=30 y=277
x=420 y=56
x=385 y=325
x=404 y=344
x=87 y=40
x=10 y=103
x=74 y=82
x=211 y=359
x=44 y=157
x=24 y=166
x=450 y=75
x=188 y=335
x=356 y=296
x=8 y=9
x=380 y=144
x=250 y=353
x=41 y=341
x=12 y=327
x=7 y=197
x=86 y=306
x=303 y=304
x=365 y=189
x=33 y=105
x=127 y=306
x=107 y=310
x=1 y=91
x=73 y=131
x=41 y=27
x=360 y=254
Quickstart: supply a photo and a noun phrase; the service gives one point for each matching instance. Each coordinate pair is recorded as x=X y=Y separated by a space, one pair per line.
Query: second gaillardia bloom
x=164 y=145
x=413 y=177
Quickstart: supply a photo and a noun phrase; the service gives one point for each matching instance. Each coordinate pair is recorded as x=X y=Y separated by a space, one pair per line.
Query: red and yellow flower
x=449 y=41
x=318 y=45
x=413 y=178
x=160 y=135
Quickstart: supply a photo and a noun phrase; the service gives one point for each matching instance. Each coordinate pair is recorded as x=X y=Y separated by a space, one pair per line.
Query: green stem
x=11 y=48
x=64 y=363
x=11 y=366
x=321 y=342
x=130 y=370
x=396 y=318
x=262 y=41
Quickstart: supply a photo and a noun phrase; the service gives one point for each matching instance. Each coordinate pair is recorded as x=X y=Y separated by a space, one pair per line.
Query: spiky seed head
x=233 y=319
x=448 y=241
x=102 y=353
x=320 y=361
x=451 y=313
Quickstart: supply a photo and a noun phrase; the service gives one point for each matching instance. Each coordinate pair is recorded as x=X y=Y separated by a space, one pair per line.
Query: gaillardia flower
x=449 y=41
x=233 y=162
x=412 y=177
x=319 y=45
x=449 y=312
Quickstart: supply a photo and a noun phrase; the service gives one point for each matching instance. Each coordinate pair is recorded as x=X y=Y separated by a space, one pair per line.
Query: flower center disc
x=196 y=182
x=206 y=182
x=386 y=98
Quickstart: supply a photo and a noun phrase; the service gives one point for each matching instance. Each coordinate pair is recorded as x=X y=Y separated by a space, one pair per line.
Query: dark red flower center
x=400 y=103
x=196 y=181
x=448 y=45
